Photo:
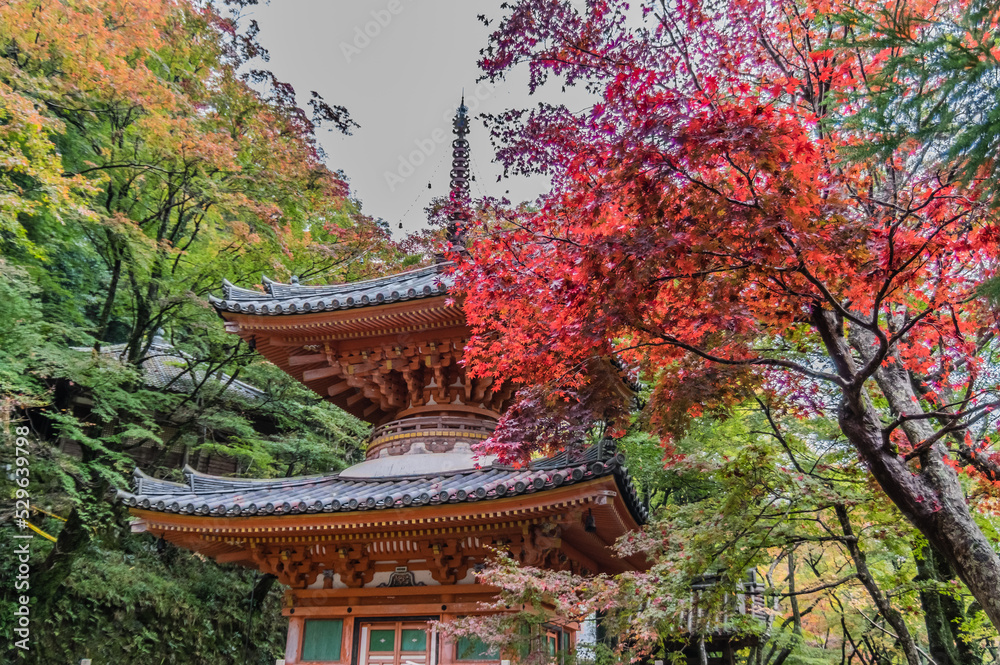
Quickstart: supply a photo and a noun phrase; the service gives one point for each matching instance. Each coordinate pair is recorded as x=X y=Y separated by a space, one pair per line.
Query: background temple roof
x=168 y=368
x=298 y=298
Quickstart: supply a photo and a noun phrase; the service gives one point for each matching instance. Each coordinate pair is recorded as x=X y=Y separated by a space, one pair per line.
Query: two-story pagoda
x=376 y=552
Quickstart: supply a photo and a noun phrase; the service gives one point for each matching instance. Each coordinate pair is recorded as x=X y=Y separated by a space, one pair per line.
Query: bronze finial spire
x=459 y=196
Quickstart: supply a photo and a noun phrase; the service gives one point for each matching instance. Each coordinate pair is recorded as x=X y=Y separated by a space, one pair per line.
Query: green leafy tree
x=143 y=159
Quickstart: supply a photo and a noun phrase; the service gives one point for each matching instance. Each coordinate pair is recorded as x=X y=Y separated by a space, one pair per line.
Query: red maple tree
x=706 y=223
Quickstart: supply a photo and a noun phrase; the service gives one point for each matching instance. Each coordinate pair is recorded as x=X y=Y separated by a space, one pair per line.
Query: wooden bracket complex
x=294 y=567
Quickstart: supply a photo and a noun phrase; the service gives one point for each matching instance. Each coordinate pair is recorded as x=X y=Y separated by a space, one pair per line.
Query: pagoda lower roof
x=284 y=299
x=217 y=496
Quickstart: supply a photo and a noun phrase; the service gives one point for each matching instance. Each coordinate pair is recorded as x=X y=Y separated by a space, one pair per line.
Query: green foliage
x=125 y=602
x=936 y=94
x=767 y=513
x=757 y=493
x=20 y=320
x=138 y=169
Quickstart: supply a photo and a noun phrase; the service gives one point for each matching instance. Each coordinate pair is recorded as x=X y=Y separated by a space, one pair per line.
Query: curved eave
x=281 y=341
x=228 y=538
x=216 y=496
x=293 y=299
x=377 y=320
x=212 y=496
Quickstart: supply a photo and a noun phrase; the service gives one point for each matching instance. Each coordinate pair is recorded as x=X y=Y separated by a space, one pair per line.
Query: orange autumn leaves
x=156 y=92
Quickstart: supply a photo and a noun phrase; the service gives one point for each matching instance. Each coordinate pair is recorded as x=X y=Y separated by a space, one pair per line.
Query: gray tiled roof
x=298 y=299
x=201 y=494
x=167 y=367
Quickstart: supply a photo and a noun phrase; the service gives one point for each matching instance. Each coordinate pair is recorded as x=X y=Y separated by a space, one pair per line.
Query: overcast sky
x=399 y=66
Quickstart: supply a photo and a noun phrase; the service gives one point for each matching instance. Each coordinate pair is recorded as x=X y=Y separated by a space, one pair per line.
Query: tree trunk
x=942 y=613
x=109 y=300
x=260 y=591
x=140 y=321
x=796 y=613
x=931 y=499
x=52 y=572
x=941 y=646
x=890 y=613
x=144 y=302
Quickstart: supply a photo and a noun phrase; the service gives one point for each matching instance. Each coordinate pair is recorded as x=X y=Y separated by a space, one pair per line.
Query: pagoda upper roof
x=283 y=299
x=217 y=496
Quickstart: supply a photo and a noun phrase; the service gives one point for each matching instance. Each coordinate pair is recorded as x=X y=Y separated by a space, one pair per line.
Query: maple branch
x=776 y=58
x=914 y=416
x=745 y=174
x=911 y=210
x=764 y=362
x=984 y=465
x=776 y=433
x=597 y=56
x=877 y=303
x=955 y=426
x=700 y=273
x=751 y=523
x=899 y=334
x=873 y=363
x=966 y=453
x=553 y=59
x=667 y=29
x=869 y=368
x=820 y=539
x=822 y=587
x=815 y=281
x=126 y=165
x=896 y=637
x=715 y=190
x=805 y=511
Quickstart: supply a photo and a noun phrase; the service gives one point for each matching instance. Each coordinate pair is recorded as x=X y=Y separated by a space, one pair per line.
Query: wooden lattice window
x=323 y=640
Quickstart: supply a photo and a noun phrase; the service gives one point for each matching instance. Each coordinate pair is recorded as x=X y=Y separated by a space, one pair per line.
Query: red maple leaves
x=703 y=213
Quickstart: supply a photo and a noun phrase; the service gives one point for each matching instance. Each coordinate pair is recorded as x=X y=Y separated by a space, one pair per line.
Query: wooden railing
x=747 y=601
x=443 y=427
x=433 y=423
